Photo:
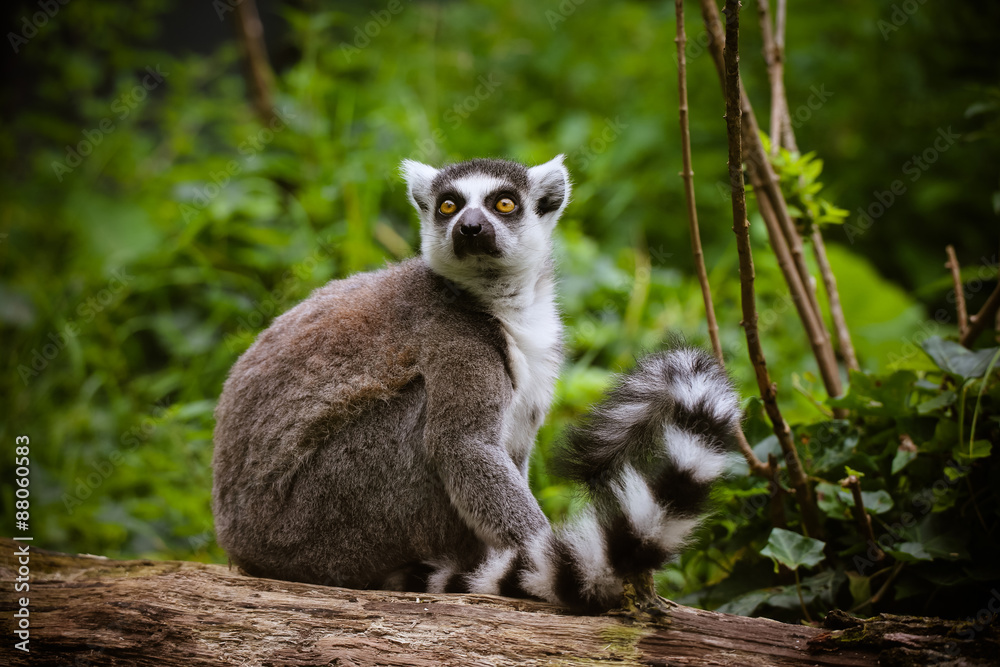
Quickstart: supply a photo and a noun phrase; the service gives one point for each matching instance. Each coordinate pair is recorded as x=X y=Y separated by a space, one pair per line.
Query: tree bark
x=92 y=610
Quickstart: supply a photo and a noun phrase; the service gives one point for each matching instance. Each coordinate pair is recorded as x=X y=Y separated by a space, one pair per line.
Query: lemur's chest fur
x=534 y=350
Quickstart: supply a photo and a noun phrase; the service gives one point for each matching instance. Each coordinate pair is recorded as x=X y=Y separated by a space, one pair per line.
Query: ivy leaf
x=956 y=359
x=793 y=550
x=860 y=587
x=979 y=449
x=902 y=459
x=942 y=400
x=909 y=552
x=829 y=501
x=876 y=502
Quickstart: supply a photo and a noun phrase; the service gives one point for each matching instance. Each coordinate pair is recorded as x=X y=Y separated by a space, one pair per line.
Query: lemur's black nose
x=470 y=228
x=473 y=234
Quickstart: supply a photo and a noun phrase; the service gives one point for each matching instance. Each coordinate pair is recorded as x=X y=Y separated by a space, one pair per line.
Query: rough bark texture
x=90 y=610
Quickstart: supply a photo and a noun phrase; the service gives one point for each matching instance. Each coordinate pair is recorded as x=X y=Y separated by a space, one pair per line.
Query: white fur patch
x=533 y=336
x=689 y=390
x=539 y=578
x=486 y=578
x=649 y=519
x=687 y=452
x=418 y=177
x=439 y=578
x=644 y=513
x=587 y=544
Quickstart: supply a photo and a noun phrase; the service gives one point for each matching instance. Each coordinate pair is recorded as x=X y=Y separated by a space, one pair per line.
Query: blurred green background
x=150 y=225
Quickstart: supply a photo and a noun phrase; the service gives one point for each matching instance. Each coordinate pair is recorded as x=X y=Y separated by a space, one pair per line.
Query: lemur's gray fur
x=378 y=434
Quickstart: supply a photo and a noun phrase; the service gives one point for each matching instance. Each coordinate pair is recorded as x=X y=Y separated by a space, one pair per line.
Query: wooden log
x=89 y=610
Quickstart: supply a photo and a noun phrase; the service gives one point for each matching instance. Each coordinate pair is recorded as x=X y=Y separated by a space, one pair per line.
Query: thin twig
x=860 y=515
x=773 y=56
x=833 y=298
x=956 y=279
x=787 y=134
x=776 y=214
x=986 y=315
x=741 y=227
x=777 y=505
x=260 y=77
x=893 y=573
x=802 y=602
x=688 y=175
x=782 y=134
x=757 y=467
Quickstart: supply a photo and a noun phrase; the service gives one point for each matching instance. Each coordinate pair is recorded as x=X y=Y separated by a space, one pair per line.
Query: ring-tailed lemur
x=378 y=434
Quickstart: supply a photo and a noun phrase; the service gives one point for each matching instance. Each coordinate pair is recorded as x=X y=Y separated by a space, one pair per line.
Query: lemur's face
x=486 y=213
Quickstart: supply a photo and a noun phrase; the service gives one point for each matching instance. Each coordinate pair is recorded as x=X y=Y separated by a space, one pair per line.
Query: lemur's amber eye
x=448 y=207
x=506 y=205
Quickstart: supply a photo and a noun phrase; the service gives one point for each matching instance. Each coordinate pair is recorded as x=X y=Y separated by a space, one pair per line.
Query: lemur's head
x=485 y=215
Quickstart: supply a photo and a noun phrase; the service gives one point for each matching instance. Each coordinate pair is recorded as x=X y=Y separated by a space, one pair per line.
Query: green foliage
x=798 y=175
x=920 y=441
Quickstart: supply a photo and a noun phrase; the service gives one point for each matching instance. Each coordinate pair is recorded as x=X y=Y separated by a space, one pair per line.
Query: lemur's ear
x=550 y=187
x=418 y=177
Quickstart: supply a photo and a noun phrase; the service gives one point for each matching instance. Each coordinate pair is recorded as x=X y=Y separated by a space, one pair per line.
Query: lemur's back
x=320 y=468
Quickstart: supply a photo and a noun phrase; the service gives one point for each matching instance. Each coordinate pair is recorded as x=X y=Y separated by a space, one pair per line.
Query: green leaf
x=909 y=552
x=746 y=604
x=979 y=449
x=956 y=359
x=876 y=502
x=942 y=400
x=902 y=459
x=829 y=501
x=860 y=587
x=793 y=550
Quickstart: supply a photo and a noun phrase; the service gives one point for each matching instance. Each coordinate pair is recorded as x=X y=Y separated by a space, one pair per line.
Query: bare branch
x=688 y=175
x=741 y=227
x=257 y=68
x=833 y=298
x=757 y=467
x=776 y=214
x=774 y=57
x=956 y=279
x=986 y=315
x=782 y=134
x=861 y=516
